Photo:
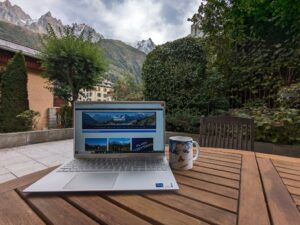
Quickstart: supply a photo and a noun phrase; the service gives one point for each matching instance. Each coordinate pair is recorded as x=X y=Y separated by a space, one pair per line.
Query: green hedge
x=280 y=125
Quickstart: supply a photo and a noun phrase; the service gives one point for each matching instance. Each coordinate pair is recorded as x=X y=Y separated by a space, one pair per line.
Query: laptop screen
x=119 y=127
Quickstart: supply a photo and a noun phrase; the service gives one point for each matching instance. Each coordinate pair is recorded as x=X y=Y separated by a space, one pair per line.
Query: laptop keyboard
x=114 y=164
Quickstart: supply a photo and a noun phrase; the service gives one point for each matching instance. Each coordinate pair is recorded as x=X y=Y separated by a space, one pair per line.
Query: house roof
x=13 y=47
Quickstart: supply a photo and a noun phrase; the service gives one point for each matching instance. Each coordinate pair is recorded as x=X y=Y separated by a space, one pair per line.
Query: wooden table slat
x=104 y=211
x=208 y=197
x=154 y=211
x=220 y=163
x=221 y=152
x=288 y=171
x=55 y=210
x=13 y=210
x=289 y=176
x=219 y=173
x=285 y=166
x=282 y=208
x=252 y=207
x=292 y=183
x=218 y=158
x=296 y=199
x=294 y=190
x=214 y=188
x=222 y=155
x=211 y=178
x=195 y=208
x=217 y=167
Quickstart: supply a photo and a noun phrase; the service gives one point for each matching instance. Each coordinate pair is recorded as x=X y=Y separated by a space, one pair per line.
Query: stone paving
x=19 y=161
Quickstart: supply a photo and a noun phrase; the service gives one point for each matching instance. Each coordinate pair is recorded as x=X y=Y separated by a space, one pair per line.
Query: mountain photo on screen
x=96 y=145
x=118 y=120
x=119 y=145
x=142 y=144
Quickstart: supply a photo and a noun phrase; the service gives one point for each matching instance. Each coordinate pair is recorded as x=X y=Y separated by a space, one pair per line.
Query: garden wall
x=9 y=140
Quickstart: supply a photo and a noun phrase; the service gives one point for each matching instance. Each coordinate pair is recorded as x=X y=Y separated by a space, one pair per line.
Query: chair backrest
x=227 y=132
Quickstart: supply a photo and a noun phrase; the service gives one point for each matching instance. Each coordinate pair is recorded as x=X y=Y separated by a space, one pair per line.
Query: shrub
x=281 y=125
x=174 y=73
x=183 y=121
x=65 y=116
x=14 y=97
x=28 y=119
x=289 y=96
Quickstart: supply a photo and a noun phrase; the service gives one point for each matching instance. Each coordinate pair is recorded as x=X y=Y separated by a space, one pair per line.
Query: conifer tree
x=14 y=95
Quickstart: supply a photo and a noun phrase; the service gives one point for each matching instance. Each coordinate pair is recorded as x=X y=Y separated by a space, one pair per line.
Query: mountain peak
x=7 y=3
x=145 y=45
x=47 y=14
x=13 y=14
x=87 y=31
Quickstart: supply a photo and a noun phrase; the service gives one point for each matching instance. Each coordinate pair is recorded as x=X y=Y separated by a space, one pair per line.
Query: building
x=40 y=98
x=103 y=92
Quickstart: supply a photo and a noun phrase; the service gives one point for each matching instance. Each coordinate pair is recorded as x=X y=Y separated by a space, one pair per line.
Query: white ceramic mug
x=181 y=152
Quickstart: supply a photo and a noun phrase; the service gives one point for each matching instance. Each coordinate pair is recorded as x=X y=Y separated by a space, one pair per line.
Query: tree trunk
x=74 y=98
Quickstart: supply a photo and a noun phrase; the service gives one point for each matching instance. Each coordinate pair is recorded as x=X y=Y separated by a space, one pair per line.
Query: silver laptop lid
x=119 y=129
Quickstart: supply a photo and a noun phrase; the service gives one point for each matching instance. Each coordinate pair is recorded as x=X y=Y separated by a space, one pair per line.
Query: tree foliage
x=127 y=89
x=71 y=63
x=14 y=96
x=176 y=72
x=255 y=44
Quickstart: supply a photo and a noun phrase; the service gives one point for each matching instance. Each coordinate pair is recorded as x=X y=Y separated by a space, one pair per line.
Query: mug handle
x=198 y=150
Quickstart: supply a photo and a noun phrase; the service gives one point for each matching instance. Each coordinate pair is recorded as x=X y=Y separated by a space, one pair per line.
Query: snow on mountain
x=145 y=45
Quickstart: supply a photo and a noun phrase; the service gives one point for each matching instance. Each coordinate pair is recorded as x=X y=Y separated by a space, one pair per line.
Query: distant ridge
x=18 y=27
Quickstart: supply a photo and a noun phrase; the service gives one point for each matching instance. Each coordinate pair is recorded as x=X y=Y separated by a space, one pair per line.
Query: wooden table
x=224 y=187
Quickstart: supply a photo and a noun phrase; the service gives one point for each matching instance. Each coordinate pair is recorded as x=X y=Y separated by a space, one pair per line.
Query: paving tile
x=3 y=170
x=25 y=168
x=52 y=160
x=35 y=154
x=6 y=177
x=13 y=158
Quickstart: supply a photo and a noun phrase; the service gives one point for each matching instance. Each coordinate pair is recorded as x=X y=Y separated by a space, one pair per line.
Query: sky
x=126 y=20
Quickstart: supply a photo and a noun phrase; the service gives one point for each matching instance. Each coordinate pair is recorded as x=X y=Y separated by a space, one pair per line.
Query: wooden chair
x=227 y=132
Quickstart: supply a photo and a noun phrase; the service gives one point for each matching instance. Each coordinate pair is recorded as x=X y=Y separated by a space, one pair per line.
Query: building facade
x=103 y=92
x=40 y=98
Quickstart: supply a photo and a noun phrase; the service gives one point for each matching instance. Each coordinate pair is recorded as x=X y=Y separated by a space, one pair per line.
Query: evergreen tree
x=14 y=96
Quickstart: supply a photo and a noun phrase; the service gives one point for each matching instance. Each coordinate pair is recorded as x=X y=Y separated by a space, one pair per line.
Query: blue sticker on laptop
x=158 y=185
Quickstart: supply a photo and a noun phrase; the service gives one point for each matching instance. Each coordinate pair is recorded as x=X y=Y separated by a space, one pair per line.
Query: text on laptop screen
x=108 y=128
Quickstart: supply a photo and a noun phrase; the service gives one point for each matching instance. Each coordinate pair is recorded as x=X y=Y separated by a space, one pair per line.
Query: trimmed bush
x=14 y=96
x=176 y=73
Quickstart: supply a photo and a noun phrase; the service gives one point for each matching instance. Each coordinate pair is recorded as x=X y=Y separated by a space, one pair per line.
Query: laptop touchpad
x=92 y=181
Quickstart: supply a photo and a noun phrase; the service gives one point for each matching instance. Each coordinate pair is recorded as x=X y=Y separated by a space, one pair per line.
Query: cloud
x=126 y=20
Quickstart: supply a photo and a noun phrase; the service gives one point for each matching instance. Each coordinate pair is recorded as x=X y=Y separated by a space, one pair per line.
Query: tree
x=176 y=72
x=14 y=95
x=71 y=63
x=127 y=89
x=254 y=44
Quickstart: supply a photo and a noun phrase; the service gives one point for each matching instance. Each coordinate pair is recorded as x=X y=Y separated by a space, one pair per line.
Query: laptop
x=118 y=146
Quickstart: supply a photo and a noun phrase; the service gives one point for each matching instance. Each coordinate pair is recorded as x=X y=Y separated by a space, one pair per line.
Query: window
x=98 y=94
